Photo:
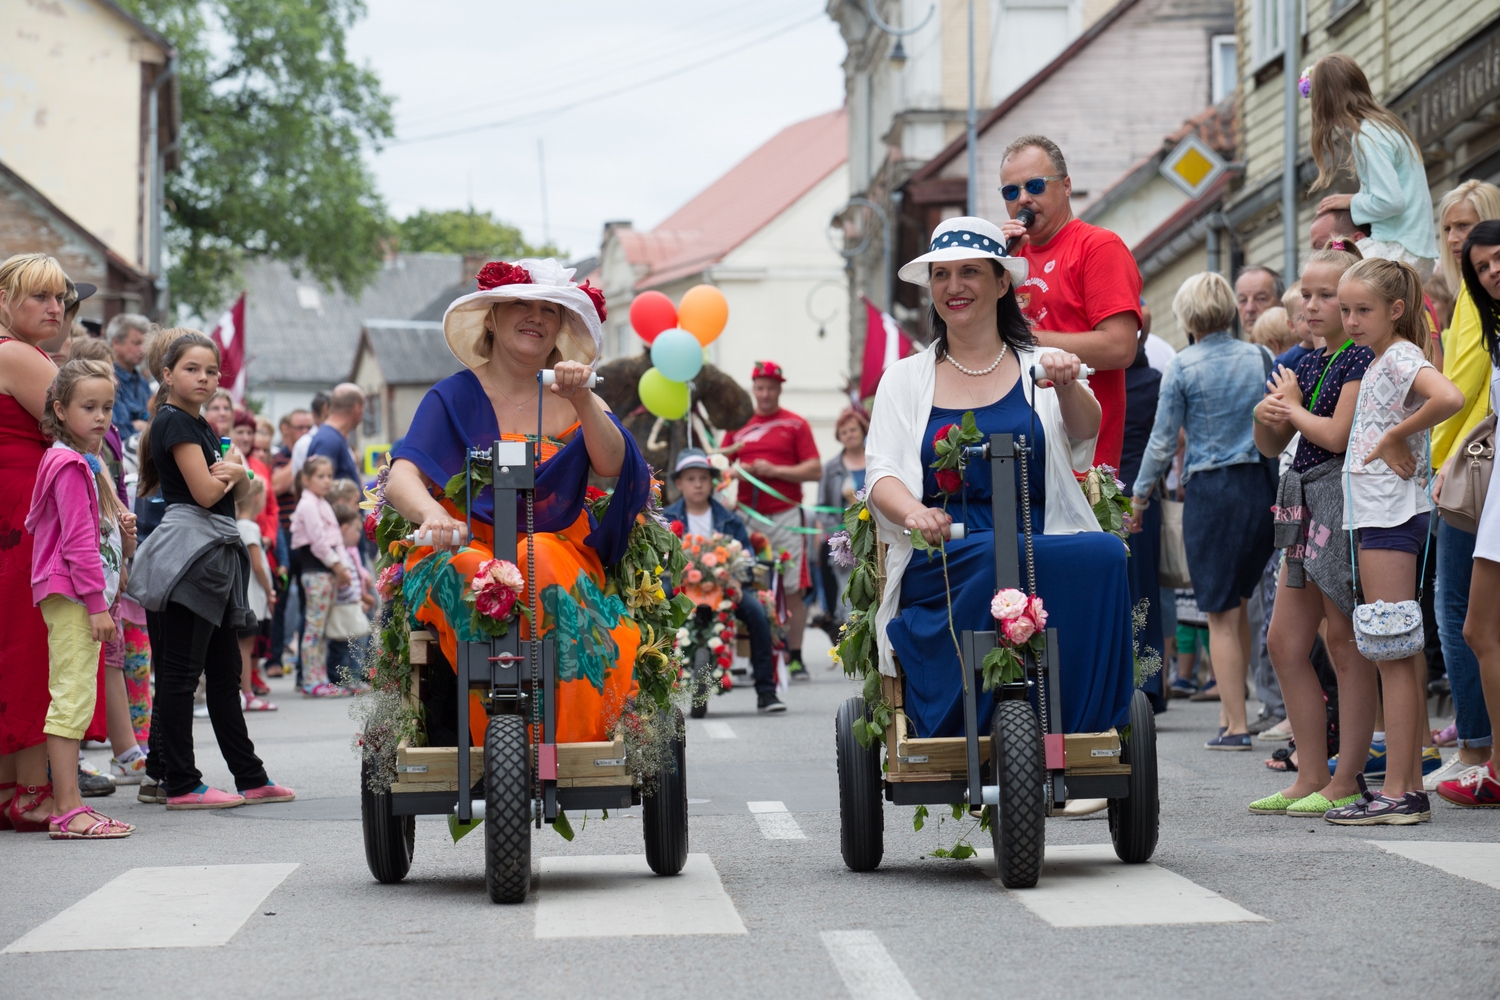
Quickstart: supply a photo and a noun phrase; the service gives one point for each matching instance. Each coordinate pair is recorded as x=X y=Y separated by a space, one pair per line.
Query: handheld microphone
x=1025 y=217
x=1039 y=375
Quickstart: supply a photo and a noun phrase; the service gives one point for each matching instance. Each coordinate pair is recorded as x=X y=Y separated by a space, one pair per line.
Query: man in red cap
x=776 y=448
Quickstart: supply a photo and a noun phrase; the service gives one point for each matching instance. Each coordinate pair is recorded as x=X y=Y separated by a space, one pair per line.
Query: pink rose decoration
x=496 y=602
x=710 y=560
x=1017 y=630
x=1007 y=605
x=1036 y=613
x=694 y=576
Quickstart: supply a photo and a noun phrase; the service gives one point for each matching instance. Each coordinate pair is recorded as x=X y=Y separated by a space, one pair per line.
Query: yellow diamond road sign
x=1192 y=166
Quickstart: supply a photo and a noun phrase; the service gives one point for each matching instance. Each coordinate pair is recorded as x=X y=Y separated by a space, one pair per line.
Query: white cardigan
x=898 y=428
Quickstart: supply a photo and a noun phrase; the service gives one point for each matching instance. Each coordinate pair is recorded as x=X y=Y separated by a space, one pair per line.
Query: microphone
x=1025 y=217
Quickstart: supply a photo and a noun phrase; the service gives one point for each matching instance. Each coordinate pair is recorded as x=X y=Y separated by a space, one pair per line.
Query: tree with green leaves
x=470 y=233
x=275 y=119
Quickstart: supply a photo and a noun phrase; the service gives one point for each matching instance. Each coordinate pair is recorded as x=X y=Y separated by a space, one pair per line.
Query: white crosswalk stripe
x=1476 y=862
x=866 y=967
x=1086 y=885
x=775 y=822
x=618 y=895
x=196 y=906
x=719 y=731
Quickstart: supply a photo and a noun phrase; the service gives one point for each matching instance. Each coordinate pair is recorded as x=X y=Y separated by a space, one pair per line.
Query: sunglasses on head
x=1034 y=187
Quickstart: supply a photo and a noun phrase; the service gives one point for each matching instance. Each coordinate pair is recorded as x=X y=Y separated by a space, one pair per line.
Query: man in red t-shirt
x=1084 y=290
x=777 y=448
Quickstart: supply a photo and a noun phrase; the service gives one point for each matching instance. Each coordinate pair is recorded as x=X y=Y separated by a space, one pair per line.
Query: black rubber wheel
x=664 y=815
x=861 y=812
x=1018 y=826
x=507 y=810
x=1134 y=822
x=389 y=840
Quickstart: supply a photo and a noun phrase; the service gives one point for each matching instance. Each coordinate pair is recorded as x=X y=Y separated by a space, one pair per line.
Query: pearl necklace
x=973 y=374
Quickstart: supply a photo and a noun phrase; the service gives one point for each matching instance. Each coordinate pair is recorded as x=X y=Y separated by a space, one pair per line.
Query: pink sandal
x=255 y=703
x=104 y=829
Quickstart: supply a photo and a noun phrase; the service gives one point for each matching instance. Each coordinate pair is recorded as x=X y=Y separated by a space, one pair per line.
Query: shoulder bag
x=1468 y=478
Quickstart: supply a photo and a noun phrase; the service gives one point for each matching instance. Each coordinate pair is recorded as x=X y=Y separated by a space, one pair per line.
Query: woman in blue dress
x=981 y=348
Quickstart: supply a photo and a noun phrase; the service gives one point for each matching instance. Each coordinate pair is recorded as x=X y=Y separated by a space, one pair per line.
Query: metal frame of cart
x=1021 y=763
x=513 y=785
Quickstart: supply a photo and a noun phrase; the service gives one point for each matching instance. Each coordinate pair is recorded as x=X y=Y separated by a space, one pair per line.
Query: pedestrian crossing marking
x=618 y=895
x=866 y=967
x=775 y=822
x=1086 y=885
x=719 y=731
x=1475 y=862
x=196 y=906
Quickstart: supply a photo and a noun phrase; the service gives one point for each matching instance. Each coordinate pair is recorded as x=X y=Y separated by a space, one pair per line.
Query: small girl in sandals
x=83 y=534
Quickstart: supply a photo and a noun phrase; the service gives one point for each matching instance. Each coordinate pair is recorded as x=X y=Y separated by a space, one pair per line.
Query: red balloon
x=651 y=313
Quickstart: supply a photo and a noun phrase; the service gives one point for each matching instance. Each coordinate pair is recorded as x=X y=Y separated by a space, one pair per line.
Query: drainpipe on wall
x=158 y=189
x=1291 y=38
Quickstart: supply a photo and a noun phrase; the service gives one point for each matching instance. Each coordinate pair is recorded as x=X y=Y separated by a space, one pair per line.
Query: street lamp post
x=888 y=258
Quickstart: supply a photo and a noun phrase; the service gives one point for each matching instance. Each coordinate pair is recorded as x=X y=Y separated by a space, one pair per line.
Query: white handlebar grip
x=955 y=531
x=424 y=539
x=549 y=377
x=1039 y=374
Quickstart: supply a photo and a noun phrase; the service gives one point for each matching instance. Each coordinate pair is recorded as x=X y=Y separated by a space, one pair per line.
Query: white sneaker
x=127 y=774
x=200 y=711
x=1453 y=770
x=86 y=766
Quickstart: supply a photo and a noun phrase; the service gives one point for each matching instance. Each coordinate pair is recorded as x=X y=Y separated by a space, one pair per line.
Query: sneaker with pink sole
x=269 y=792
x=204 y=797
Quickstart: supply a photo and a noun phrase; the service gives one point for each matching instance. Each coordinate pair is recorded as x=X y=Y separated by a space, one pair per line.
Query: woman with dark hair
x=843 y=477
x=1481 y=268
x=980 y=363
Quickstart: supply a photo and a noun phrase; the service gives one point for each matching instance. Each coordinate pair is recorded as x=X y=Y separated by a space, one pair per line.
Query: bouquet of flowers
x=711 y=629
x=495 y=596
x=1106 y=495
x=718 y=561
x=1020 y=627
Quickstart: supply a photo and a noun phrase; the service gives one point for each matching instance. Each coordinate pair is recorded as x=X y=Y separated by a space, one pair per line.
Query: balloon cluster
x=677 y=335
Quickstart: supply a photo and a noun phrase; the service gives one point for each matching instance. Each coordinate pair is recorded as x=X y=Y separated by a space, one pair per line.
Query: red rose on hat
x=498 y=272
x=596 y=295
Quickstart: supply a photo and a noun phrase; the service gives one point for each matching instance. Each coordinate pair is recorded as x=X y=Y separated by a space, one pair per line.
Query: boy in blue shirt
x=701 y=514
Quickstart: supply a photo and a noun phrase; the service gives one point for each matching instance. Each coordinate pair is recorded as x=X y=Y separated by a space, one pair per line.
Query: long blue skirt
x=1083 y=583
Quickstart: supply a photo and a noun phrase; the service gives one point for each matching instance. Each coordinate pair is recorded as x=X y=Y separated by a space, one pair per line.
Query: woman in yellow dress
x=525 y=317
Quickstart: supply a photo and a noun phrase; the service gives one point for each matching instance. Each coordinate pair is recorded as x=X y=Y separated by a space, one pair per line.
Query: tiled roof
x=740 y=203
x=297 y=331
x=410 y=352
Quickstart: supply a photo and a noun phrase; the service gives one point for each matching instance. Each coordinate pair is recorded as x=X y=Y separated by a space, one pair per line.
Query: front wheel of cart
x=665 y=812
x=389 y=839
x=861 y=813
x=1134 y=821
x=507 y=809
x=1018 y=825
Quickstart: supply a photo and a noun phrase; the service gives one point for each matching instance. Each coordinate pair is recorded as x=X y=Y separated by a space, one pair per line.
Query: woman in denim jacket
x=1210 y=390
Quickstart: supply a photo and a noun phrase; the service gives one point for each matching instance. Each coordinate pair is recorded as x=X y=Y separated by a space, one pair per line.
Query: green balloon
x=663 y=397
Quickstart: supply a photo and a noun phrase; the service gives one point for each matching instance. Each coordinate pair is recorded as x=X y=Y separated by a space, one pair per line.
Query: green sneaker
x=1272 y=805
x=1317 y=804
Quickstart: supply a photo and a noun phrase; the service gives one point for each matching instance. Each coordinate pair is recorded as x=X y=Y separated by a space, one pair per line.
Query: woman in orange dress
x=528 y=316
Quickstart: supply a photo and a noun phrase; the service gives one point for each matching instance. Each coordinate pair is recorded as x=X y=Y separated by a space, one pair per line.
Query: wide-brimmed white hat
x=580 y=337
x=964 y=238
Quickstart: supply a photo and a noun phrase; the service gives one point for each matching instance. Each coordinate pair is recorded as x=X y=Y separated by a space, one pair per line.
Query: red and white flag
x=230 y=336
x=885 y=344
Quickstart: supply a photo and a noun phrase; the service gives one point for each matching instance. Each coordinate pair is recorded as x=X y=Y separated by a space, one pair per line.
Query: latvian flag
x=230 y=336
x=885 y=344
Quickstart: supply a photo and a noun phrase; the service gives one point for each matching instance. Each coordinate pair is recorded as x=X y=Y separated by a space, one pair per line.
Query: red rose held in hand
x=498 y=272
x=949 y=480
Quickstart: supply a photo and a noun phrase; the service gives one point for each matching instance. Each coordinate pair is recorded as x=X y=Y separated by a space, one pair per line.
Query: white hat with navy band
x=964 y=238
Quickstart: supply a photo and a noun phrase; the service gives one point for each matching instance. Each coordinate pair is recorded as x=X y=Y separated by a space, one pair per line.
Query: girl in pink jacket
x=317 y=559
x=83 y=535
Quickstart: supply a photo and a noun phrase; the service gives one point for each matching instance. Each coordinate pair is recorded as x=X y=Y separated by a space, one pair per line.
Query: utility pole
x=1291 y=36
x=973 y=123
x=541 y=162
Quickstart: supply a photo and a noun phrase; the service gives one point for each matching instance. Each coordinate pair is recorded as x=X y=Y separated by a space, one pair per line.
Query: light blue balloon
x=677 y=354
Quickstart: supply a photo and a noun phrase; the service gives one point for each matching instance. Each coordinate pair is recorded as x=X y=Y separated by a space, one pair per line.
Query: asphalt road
x=766 y=908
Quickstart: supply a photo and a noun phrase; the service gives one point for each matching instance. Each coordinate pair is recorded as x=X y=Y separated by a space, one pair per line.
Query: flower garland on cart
x=713 y=580
x=653 y=560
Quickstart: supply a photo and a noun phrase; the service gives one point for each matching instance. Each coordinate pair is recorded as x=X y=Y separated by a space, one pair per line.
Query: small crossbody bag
x=1386 y=630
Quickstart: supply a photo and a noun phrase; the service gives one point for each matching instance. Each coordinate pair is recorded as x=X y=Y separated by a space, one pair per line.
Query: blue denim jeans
x=1455 y=564
x=758 y=631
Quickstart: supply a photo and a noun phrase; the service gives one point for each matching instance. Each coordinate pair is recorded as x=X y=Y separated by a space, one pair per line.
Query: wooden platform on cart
x=911 y=758
x=435 y=769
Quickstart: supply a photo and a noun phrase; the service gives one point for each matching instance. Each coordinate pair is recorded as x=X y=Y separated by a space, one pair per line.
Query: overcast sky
x=631 y=149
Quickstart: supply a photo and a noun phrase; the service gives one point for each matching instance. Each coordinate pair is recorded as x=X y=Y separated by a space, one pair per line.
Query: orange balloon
x=703 y=312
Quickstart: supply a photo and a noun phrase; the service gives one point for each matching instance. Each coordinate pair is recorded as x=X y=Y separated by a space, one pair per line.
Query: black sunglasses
x=1034 y=187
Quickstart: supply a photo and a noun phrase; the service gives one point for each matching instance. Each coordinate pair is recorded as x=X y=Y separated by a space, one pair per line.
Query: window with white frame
x=1223 y=68
x=1265 y=29
x=1027 y=35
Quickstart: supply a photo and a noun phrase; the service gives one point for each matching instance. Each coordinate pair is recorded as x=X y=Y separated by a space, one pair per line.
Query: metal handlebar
x=549 y=377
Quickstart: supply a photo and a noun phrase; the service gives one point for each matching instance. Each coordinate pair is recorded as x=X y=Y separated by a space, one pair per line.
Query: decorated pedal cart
x=1011 y=770
x=522 y=777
